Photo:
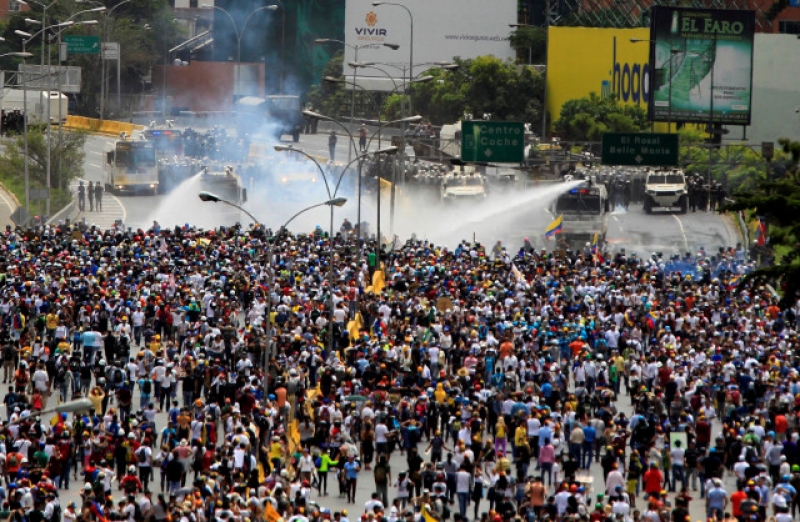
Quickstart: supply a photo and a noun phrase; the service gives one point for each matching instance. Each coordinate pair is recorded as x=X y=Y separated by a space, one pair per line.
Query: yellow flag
x=270 y=513
x=378 y=281
x=425 y=515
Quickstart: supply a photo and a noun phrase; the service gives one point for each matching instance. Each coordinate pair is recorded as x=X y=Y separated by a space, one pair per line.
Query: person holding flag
x=597 y=256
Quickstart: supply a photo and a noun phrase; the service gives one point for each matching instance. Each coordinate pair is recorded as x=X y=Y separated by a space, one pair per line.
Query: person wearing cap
x=653 y=481
x=325 y=463
x=351 y=469
x=383 y=477
x=716 y=500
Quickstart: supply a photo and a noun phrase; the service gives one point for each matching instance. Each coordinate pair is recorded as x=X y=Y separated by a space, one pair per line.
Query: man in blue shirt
x=716 y=500
x=589 y=437
x=545 y=434
x=351 y=469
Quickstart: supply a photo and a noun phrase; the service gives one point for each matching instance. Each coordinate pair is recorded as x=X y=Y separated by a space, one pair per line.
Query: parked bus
x=131 y=167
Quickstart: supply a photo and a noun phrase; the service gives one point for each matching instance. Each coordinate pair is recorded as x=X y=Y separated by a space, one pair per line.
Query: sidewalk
x=106 y=218
x=8 y=204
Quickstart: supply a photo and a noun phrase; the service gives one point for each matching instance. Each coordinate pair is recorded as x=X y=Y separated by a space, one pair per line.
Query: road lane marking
x=10 y=203
x=124 y=210
x=683 y=232
x=95 y=166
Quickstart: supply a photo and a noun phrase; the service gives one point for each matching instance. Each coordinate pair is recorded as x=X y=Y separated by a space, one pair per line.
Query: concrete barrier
x=105 y=127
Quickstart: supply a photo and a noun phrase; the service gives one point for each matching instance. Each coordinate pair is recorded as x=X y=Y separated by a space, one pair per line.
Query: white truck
x=666 y=189
x=40 y=105
x=461 y=187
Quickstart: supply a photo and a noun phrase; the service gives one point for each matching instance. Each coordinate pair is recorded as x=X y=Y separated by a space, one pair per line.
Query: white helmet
x=131 y=469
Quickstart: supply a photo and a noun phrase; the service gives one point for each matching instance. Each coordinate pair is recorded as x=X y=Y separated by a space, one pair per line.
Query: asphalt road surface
x=509 y=218
x=365 y=485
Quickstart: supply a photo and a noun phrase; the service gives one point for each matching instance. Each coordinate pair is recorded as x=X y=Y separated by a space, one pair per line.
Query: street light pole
x=209 y=197
x=239 y=34
x=355 y=75
x=46 y=112
x=410 y=110
x=332 y=195
x=105 y=40
x=26 y=174
x=58 y=75
x=410 y=119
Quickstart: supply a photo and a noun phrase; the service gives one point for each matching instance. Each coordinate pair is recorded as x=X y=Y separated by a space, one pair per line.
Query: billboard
x=442 y=29
x=776 y=104
x=702 y=65
x=585 y=60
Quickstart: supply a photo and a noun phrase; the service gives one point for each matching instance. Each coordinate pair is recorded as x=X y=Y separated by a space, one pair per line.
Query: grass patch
x=58 y=198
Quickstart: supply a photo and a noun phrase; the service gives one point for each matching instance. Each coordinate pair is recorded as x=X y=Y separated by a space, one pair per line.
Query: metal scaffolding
x=636 y=13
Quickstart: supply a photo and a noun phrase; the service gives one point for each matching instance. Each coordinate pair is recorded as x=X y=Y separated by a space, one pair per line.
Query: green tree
x=145 y=29
x=530 y=43
x=587 y=119
x=778 y=202
x=66 y=163
x=334 y=98
x=479 y=86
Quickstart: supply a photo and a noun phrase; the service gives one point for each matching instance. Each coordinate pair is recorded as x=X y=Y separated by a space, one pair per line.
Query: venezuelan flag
x=554 y=227
x=652 y=317
x=598 y=257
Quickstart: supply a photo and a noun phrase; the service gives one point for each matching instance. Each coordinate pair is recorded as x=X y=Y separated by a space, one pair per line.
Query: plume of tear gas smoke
x=420 y=213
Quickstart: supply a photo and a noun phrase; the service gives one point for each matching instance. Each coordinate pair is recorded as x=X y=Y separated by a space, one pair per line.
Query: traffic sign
x=621 y=148
x=38 y=194
x=20 y=216
x=110 y=51
x=768 y=150
x=82 y=44
x=494 y=141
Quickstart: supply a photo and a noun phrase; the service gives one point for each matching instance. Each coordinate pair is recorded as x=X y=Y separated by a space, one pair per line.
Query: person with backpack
x=383 y=477
x=64 y=379
x=146 y=389
x=144 y=456
x=130 y=483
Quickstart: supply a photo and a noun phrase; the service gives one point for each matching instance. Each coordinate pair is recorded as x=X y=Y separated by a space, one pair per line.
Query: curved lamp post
x=211 y=197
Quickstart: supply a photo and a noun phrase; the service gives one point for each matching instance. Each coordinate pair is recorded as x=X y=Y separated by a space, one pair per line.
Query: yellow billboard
x=582 y=60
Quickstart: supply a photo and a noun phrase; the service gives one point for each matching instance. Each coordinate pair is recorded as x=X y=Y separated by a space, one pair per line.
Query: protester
x=519 y=357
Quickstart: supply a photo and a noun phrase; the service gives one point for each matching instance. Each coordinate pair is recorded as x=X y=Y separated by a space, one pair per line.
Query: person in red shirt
x=653 y=481
x=781 y=425
x=130 y=483
x=598 y=515
x=703 y=431
x=736 y=501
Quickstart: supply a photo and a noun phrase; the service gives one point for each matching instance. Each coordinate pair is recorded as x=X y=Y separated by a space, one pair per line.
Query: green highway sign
x=640 y=148
x=82 y=44
x=494 y=141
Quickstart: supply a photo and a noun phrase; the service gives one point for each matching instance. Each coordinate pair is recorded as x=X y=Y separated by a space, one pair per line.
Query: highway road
x=507 y=217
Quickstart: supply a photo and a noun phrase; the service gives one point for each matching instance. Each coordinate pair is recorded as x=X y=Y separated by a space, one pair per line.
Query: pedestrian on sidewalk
x=81 y=197
x=332 y=145
x=362 y=138
x=98 y=196
x=90 y=194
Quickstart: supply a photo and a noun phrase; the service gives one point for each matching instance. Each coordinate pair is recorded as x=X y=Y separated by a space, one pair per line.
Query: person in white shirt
x=463 y=490
x=41 y=380
x=306 y=465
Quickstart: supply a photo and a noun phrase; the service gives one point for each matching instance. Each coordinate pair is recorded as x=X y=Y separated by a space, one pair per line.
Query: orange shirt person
x=506 y=348
x=280 y=396
x=13 y=464
x=736 y=501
